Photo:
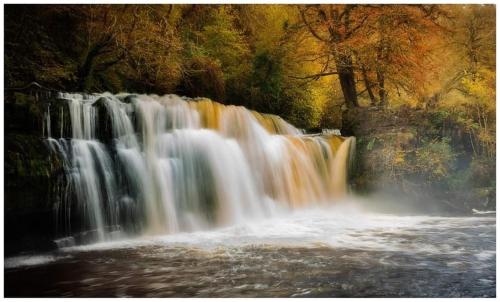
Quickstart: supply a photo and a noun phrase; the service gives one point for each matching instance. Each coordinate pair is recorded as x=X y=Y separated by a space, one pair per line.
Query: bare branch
x=311 y=29
x=315 y=76
x=354 y=29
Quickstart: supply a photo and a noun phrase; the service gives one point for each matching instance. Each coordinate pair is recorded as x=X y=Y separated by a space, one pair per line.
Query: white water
x=338 y=250
x=32 y=260
x=162 y=165
x=344 y=225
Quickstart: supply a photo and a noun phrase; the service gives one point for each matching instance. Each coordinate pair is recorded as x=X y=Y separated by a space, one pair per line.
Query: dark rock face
x=31 y=174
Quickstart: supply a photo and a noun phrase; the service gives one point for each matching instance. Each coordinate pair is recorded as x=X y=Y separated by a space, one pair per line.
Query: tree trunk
x=85 y=69
x=381 y=88
x=368 y=85
x=382 y=57
x=349 y=89
x=347 y=81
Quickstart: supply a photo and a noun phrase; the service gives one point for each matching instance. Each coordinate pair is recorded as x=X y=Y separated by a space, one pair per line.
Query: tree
x=469 y=90
x=95 y=47
x=376 y=45
x=212 y=35
x=335 y=25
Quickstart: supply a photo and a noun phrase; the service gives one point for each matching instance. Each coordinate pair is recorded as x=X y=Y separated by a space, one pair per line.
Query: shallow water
x=335 y=252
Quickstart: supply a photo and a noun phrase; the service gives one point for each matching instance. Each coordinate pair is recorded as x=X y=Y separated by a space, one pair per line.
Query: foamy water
x=20 y=261
x=340 y=250
x=345 y=225
x=147 y=164
x=339 y=226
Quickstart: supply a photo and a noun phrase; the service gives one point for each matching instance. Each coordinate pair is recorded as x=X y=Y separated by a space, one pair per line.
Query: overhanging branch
x=315 y=76
x=311 y=29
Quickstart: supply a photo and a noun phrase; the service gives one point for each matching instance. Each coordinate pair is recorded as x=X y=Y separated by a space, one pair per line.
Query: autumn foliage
x=309 y=64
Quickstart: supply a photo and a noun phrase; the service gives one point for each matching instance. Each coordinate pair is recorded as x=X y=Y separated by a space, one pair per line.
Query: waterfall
x=147 y=164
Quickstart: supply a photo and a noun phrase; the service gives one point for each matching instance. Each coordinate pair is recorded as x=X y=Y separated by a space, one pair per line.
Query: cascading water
x=150 y=164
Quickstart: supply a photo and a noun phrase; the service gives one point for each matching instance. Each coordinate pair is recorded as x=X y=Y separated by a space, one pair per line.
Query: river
x=338 y=251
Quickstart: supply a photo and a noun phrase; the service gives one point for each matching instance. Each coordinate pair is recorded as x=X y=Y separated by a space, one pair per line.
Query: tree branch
x=311 y=30
x=315 y=76
x=354 y=29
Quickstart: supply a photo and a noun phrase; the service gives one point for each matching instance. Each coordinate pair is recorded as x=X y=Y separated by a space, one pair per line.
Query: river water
x=340 y=251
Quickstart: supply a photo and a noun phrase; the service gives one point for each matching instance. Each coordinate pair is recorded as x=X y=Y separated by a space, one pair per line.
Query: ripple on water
x=315 y=254
x=32 y=260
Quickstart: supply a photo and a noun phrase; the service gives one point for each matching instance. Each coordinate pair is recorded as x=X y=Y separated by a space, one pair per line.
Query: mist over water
x=174 y=197
x=323 y=251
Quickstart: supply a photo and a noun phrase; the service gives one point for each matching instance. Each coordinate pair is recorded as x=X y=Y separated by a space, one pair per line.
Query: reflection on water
x=317 y=253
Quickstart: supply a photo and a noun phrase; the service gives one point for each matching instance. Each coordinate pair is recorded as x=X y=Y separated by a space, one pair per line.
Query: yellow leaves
x=435 y=158
x=399 y=158
x=224 y=42
x=486 y=136
x=267 y=23
x=481 y=86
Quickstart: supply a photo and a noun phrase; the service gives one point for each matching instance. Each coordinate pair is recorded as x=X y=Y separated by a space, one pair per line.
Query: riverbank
x=421 y=157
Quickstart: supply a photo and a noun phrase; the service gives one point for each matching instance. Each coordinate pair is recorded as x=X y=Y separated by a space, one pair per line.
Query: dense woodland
x=414 y=83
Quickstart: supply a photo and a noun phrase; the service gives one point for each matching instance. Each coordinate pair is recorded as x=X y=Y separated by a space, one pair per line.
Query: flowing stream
x=175 y=197
x=138 y=164
x=334 y=251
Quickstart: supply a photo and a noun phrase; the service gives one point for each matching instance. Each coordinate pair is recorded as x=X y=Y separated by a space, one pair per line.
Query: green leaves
x=369 y=147
x=436 y=158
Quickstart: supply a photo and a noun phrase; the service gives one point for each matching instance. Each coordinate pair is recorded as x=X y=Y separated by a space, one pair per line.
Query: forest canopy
x=306 y=63
x=414 y=83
